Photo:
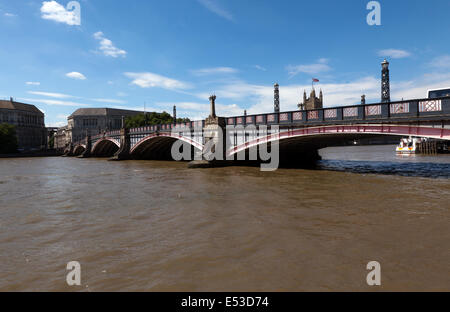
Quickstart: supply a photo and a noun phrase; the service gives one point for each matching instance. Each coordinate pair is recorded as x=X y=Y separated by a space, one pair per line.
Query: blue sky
x=177 y=52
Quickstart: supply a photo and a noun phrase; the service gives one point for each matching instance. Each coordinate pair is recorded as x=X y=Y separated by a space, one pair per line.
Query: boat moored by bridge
x=409 y=145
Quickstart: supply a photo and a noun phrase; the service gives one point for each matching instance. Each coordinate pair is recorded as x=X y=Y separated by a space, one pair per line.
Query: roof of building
x=102 y=112
x=10 y=104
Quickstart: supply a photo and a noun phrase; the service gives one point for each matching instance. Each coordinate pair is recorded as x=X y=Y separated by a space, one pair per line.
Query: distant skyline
x=122 y=54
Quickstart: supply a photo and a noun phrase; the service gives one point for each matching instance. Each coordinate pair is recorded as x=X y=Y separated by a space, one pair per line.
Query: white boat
x=409 y=146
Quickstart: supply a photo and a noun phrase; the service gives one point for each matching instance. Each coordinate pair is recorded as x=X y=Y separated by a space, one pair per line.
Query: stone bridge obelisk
x=125 y=144
x=87 y=151
x=213 y=139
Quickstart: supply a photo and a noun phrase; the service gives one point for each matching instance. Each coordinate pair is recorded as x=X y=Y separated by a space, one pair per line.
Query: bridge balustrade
x=355 y=113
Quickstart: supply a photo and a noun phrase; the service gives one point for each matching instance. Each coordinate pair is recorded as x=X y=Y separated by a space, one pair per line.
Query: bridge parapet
x=411 y=110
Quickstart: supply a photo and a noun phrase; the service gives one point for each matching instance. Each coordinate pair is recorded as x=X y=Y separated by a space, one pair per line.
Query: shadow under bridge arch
x=159 y=147
x=79 y=149
x=105 y=148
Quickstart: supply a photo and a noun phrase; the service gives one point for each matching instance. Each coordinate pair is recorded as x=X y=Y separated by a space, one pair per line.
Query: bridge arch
x=105 y=147
x=159 y=146
x=79 y=149
x=304 y=143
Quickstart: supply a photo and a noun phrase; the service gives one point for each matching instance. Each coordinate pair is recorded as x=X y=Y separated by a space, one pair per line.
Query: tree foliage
x=51 y=142
x=8 y=139
x=151 y=119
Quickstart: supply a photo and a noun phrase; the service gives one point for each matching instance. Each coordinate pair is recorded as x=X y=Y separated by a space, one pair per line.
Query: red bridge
x=299 y=133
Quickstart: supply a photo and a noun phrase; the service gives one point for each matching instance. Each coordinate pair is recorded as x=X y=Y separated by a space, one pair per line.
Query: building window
x=90 y=122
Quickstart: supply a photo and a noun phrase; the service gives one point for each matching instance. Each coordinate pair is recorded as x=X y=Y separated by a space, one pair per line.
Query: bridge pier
x=125 y=145
x=213 y=154
x=87 y=151
x=69 y=150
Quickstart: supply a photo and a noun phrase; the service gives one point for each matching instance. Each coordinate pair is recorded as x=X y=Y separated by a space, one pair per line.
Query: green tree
x=8 y=139
x=151 y=119
x=51 y=142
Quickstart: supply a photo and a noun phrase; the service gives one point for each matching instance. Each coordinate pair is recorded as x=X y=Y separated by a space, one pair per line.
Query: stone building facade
x=29 y=123
x=62 y=138
x=94 y=121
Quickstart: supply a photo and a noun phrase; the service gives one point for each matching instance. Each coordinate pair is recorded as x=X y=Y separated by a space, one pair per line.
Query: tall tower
x=212 y=100
x=174 y=114
x=385 y=83
x=276 y=98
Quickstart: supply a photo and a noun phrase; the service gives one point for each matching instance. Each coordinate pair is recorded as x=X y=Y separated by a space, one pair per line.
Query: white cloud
x=122 y=94
x=109 y=101
x=52 y=10
x=313 y=69
x=260 y=68
x=9 y=15
x=216 y=8
x=441 y=62
x=417 y=88
x=107 y=47
x=238 y=91
x=57 y=124
x=66 y=96
x=76 y=75
x=135 y=108
x=214 y=70
x=55 y=102
x=198 y=111
x=50 y=94
x=31 y=83
x=394 y=53
x=260 y=97
x=151 y=80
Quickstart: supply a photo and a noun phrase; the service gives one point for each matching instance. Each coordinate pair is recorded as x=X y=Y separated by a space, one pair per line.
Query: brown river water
x=158 y=226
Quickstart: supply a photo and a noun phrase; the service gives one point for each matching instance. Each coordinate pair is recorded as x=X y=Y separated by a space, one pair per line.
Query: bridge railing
x=379 y=111
x=168 y=127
